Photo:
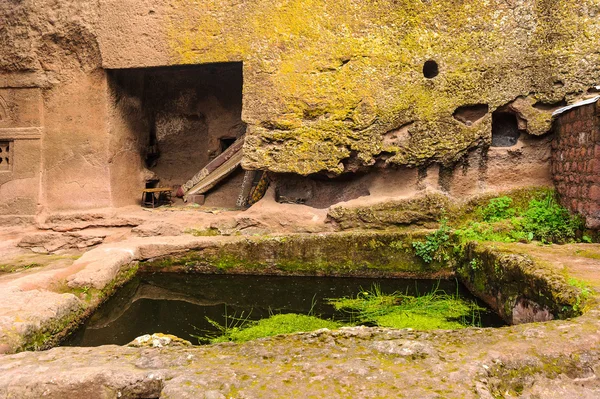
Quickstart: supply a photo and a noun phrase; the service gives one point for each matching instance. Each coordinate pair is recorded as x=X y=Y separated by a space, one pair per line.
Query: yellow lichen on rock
x=324 y=81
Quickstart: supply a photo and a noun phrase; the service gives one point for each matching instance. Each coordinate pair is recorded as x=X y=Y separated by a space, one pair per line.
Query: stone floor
x=556 y=359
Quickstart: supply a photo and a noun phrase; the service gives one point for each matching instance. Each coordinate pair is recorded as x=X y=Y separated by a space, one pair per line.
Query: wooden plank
x=157 y=189
x=217 y=175
x=212 y=166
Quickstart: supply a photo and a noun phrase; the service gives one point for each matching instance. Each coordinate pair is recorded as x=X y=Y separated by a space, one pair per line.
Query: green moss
x=513 y=378
x=345 y=254
x=587 y=254
x=210 y=232
x=12 y=268
x=275 y=325
x=305 y=64
x=31 y=260
x=584 y=295
x=50 y=334
x=430 y=311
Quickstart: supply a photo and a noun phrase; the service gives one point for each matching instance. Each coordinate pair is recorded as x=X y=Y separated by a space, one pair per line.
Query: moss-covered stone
x=429 y=207
x=342 y=254
x=324 y=81
x=52 y=333
x=500 y=278
x=513 y=378
x=470 y=210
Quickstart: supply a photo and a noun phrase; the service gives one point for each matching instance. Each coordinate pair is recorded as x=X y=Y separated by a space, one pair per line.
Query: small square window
x=5 y=156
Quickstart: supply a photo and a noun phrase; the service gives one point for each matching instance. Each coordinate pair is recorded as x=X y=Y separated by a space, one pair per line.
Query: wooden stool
x=153 y=197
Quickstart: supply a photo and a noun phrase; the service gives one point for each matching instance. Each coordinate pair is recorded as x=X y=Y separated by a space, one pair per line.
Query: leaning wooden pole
x=215 y=171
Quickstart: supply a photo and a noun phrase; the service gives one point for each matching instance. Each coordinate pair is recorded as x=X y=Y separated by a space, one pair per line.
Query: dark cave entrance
x=182 y=118
x=505 y=129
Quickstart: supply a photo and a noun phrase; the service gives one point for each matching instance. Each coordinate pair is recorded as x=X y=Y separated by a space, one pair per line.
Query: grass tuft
x=435 y=310
x=288 y=323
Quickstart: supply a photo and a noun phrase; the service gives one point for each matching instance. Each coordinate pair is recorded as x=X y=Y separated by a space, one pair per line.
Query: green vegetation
x=435 y=246
x=278 y=324
x=435 y=310
x=542 y=219
x=584 y=293
x=242 y=330
x=504 y=219
x=548 y=221
x=498 y=209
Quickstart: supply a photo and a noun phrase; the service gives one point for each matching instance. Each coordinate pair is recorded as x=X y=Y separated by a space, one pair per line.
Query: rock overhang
x=325 y=82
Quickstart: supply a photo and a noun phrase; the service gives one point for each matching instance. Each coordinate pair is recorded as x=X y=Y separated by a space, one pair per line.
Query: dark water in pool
x=179 y=304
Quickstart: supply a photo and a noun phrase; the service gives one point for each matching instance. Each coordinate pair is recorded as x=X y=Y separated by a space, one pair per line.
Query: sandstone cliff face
x=327 y=83
x=329 y=86
x=50 y=65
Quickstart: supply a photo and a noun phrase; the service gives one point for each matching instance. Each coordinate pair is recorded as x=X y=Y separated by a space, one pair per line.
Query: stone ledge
x=101 y=270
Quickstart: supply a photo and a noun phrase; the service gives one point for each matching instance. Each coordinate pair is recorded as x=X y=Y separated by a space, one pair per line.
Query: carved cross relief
x=5 y=157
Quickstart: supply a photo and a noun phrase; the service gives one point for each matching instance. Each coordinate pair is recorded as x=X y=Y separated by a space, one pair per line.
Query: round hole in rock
x=430 y=69
x=505 y=129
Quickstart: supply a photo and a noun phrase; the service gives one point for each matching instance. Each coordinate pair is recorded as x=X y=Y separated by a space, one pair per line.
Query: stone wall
x=576 y=161
x=331 y=84
x=56 y=98
x=20 y=151
x=328 y=87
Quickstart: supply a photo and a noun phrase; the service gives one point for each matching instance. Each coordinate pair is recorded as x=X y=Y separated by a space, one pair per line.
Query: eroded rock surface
x=544 y=361
x=306 y=103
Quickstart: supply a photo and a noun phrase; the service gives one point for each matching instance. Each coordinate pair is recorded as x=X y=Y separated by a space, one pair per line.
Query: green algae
x=431 y=311
x=288 y=323
x=346 y=254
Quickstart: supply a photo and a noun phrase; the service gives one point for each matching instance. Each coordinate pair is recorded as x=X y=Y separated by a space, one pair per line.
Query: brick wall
x=576 y=161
